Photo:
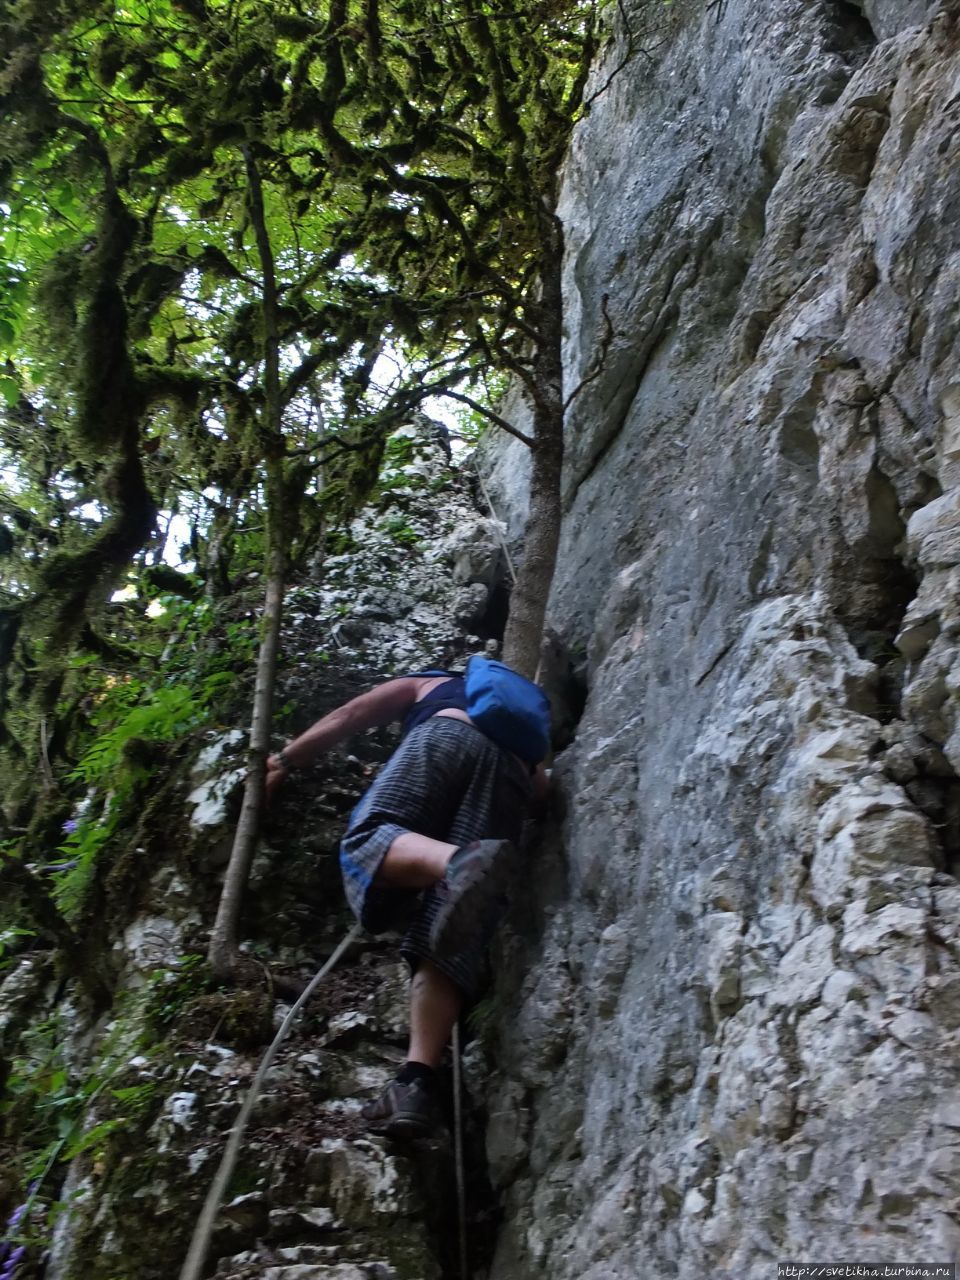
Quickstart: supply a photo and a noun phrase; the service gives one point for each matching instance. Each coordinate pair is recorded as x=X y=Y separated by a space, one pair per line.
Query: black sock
x=419 y=1071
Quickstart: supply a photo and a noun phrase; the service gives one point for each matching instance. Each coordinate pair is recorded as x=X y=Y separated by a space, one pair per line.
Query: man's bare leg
x=411 y=1106
x=414 y=862
x=435 y=1004
x=417 y=862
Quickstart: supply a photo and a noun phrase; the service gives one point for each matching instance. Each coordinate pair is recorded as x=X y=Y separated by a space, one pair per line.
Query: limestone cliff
x=728 y=1029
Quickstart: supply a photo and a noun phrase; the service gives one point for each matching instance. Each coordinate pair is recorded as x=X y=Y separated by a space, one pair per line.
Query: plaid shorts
x=447 y=781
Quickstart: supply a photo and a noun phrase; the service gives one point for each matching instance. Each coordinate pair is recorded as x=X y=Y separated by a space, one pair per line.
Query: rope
x=200 y=1242
x=458 y=1153
x=500 y=527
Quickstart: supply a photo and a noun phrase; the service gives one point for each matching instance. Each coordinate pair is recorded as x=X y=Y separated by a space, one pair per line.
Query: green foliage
x=82 y=849
x=11 y=939
x=398 y=530
x=132 y=717
x=59 y=1114
x=51 y=1103
x=170 y=990
x=472 y=424
x=206 y=648
x=399 y=451
x=128 y=716
x=406 y=174
x=161 y=716
x=131 y=318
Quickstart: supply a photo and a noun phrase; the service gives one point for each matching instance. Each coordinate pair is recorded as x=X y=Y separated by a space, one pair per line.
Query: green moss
x=149 y=1233
x=241 y=1019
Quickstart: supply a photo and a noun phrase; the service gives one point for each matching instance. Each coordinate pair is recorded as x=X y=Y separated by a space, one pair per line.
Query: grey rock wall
x=731 y=997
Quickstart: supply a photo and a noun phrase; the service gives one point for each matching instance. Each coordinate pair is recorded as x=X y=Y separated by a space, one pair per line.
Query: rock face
x=731 y=1003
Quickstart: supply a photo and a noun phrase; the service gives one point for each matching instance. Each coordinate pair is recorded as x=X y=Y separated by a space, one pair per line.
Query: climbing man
x=430 y=844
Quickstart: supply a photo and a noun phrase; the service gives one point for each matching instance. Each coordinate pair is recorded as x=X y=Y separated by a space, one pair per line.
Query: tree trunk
x=223 y=953
x=528 y=601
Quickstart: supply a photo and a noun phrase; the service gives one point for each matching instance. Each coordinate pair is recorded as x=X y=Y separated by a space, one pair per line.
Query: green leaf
x=92 y=1138
x=9 y=387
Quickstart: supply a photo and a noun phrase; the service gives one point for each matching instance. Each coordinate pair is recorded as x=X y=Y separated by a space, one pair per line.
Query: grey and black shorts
x=448 y=781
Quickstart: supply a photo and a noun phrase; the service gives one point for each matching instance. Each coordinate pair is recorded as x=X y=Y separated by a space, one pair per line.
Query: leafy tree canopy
x=215 y=217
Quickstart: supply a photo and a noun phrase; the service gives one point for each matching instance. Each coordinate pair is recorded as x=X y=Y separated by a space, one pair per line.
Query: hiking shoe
x=406 y=1111
x=470 y=895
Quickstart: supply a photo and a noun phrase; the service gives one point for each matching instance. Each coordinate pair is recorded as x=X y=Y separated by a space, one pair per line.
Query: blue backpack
x=511 y=710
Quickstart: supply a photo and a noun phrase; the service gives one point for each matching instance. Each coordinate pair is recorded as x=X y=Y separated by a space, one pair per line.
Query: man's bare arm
x=376 y=707
x=379 y=706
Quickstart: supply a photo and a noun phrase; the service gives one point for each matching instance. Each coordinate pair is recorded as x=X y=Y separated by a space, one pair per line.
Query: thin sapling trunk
x=223 y=953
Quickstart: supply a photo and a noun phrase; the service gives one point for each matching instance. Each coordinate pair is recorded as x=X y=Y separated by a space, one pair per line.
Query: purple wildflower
x=11 y=1260
x=17 y=1216
x=69 y=827
x=11 y=1264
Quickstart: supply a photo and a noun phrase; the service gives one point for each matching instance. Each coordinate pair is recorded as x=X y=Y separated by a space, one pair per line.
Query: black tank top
x=451 y=694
